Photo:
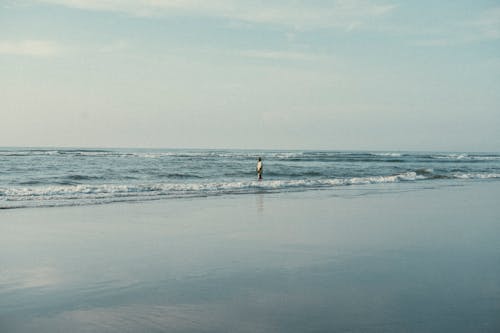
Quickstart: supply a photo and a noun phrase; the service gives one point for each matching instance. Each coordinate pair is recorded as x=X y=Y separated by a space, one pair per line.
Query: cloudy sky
x=361 y=74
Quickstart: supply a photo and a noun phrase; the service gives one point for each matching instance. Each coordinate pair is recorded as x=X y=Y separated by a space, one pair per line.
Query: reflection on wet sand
x=314 y=263
x=259 y=202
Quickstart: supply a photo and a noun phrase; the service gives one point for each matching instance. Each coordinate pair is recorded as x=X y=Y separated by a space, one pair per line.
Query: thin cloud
x=485 y=27
x=342 y=14
x=35 y=48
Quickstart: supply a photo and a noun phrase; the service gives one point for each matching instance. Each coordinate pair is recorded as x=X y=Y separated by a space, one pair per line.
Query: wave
x=82 y=177
x=465 y=157
x=103 y=191
x=461 y=175
x=293 y=173
x=289 y=156
x=54 y=152
x=63 y=195
x=124 y=153
x=387 y=154
x=178 y=176
x=28 y=152
x=382 y=157
x=275 y=155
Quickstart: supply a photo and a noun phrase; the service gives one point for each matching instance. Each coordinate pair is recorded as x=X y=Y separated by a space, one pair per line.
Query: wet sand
x=388 y=258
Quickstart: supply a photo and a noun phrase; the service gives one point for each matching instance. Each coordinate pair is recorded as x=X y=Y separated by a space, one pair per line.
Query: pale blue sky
x=377 y=75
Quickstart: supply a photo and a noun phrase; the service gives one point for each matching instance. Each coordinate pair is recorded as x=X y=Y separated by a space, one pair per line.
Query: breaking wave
x=65 y=195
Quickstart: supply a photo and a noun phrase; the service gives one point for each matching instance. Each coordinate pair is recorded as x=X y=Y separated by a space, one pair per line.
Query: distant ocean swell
x=293 y=155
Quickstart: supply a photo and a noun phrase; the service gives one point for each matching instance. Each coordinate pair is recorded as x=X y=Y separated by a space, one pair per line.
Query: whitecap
x=387 y=154
x=476 y=175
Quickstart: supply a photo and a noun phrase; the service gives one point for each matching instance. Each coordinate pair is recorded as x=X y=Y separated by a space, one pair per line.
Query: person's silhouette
x=259 y=168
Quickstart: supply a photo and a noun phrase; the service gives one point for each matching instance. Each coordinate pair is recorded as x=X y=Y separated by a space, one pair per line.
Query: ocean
x=328 y=241
x=66 y=177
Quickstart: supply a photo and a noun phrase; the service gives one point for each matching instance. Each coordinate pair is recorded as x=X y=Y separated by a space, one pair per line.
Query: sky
x=339 y=75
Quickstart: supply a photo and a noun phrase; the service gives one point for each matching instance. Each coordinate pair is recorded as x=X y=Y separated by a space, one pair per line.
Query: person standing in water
x=259 y=168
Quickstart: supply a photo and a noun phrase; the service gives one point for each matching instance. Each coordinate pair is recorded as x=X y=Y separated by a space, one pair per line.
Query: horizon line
x=242 y=149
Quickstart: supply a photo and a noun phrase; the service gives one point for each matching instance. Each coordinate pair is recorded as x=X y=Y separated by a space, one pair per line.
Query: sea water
x=32 y=177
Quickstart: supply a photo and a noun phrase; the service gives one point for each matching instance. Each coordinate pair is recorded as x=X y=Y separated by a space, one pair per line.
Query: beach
x=400 y=257
x=256 y=167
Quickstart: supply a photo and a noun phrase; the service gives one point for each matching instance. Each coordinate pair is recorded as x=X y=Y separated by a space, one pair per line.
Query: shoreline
x=397 y=257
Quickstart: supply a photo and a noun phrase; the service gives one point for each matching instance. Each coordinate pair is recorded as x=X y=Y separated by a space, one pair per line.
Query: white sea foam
x=476 y=175
x=387 y=154
x=288 y=155
x=485 y=158
x=77 y=194
x=28 y=153
x=466 y=157
x=97 y=153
